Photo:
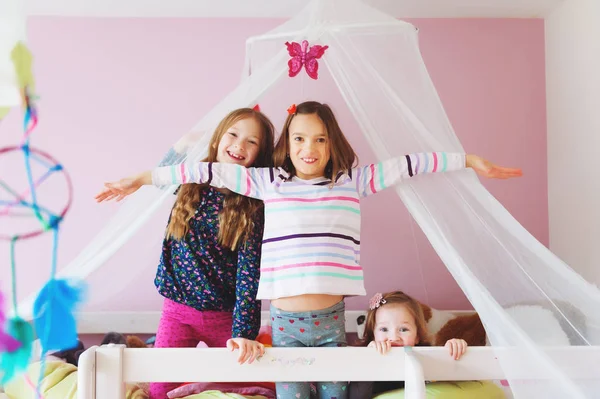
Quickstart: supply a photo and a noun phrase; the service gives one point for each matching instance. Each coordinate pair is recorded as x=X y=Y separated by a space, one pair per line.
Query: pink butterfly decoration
x=302 y=55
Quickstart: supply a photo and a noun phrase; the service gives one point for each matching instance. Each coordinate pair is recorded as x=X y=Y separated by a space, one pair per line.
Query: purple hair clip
x=376 y=301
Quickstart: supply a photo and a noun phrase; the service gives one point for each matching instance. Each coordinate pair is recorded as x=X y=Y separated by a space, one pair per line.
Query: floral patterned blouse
x=198 y=272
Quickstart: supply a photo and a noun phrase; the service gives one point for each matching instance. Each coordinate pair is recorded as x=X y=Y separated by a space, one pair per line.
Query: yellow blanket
x=59 y=382
x=220 y=395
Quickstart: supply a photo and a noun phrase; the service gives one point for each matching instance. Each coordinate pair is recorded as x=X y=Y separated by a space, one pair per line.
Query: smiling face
x=312 y=145
x=241 y=143
x=309 y=146
x=395 y=323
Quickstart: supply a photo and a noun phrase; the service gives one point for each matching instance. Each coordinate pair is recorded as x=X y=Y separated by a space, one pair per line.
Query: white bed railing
x=103 y=371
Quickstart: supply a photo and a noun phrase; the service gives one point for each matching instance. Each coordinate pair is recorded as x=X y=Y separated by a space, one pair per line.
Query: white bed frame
x=104 y=371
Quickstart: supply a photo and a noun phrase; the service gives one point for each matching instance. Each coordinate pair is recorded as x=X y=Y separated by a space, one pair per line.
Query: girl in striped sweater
x=311 y=242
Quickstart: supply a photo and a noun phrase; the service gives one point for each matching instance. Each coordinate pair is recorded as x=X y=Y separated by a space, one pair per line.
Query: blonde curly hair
x=236 y=217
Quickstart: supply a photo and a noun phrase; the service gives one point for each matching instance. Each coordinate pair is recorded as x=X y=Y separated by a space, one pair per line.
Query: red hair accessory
x=256 y=108
x=292 y=109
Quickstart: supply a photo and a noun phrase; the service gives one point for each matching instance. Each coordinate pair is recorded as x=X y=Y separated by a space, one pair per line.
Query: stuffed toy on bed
x=444 y=325
x=541 y=324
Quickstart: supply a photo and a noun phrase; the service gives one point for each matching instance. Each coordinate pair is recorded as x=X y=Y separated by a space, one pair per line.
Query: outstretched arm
x=485 y=168
x=124 y=187
x=373 y=178
x=244 y=181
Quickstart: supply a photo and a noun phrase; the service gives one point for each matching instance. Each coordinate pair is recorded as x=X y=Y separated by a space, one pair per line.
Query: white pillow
x=540 y=323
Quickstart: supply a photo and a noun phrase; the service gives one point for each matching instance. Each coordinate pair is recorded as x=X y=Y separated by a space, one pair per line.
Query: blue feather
x=13 y=363
x=53 y=312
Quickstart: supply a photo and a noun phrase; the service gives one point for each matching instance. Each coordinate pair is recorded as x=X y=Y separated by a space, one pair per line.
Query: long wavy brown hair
x=413 y=307
x=236 y=217
x=342 y=157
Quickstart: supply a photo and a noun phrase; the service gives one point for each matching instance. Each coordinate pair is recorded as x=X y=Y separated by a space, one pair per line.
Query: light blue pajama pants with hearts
x=320 y=328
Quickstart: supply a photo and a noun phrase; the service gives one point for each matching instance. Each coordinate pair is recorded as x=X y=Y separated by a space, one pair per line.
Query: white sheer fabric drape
x=376 y=65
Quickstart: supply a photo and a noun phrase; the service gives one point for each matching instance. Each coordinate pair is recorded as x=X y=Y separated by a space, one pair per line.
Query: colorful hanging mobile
x=53 y=312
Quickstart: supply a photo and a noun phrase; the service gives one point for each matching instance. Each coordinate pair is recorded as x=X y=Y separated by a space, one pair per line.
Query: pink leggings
x=183 y=327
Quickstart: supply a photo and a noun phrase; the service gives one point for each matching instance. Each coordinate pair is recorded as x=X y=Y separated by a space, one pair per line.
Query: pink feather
x=7 y=342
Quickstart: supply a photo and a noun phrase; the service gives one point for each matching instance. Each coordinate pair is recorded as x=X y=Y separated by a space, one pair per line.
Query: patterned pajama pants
x=320 y=328
x=182 y=326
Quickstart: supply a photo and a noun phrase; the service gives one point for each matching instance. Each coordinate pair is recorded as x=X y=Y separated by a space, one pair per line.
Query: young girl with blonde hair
x=209 y=266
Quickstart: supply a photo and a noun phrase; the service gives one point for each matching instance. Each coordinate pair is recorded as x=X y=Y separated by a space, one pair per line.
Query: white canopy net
x=384 y=92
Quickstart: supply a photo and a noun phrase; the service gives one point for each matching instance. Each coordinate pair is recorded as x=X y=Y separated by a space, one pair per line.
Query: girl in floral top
x=209 y=267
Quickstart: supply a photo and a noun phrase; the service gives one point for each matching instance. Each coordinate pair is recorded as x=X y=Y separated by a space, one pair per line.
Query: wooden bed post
x=86 y=374
x=109 y=372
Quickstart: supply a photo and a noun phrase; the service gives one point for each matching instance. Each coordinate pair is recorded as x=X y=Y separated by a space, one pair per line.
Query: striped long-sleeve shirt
x=311 y=241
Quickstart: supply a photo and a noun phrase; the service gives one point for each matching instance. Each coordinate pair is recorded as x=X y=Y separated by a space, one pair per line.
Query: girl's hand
x=123 y=187
x=249 y=350
x=456 y=347
x=382 y=347
x=485 y=168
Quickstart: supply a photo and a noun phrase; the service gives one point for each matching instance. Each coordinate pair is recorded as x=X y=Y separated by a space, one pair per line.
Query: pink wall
x=116 y=93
